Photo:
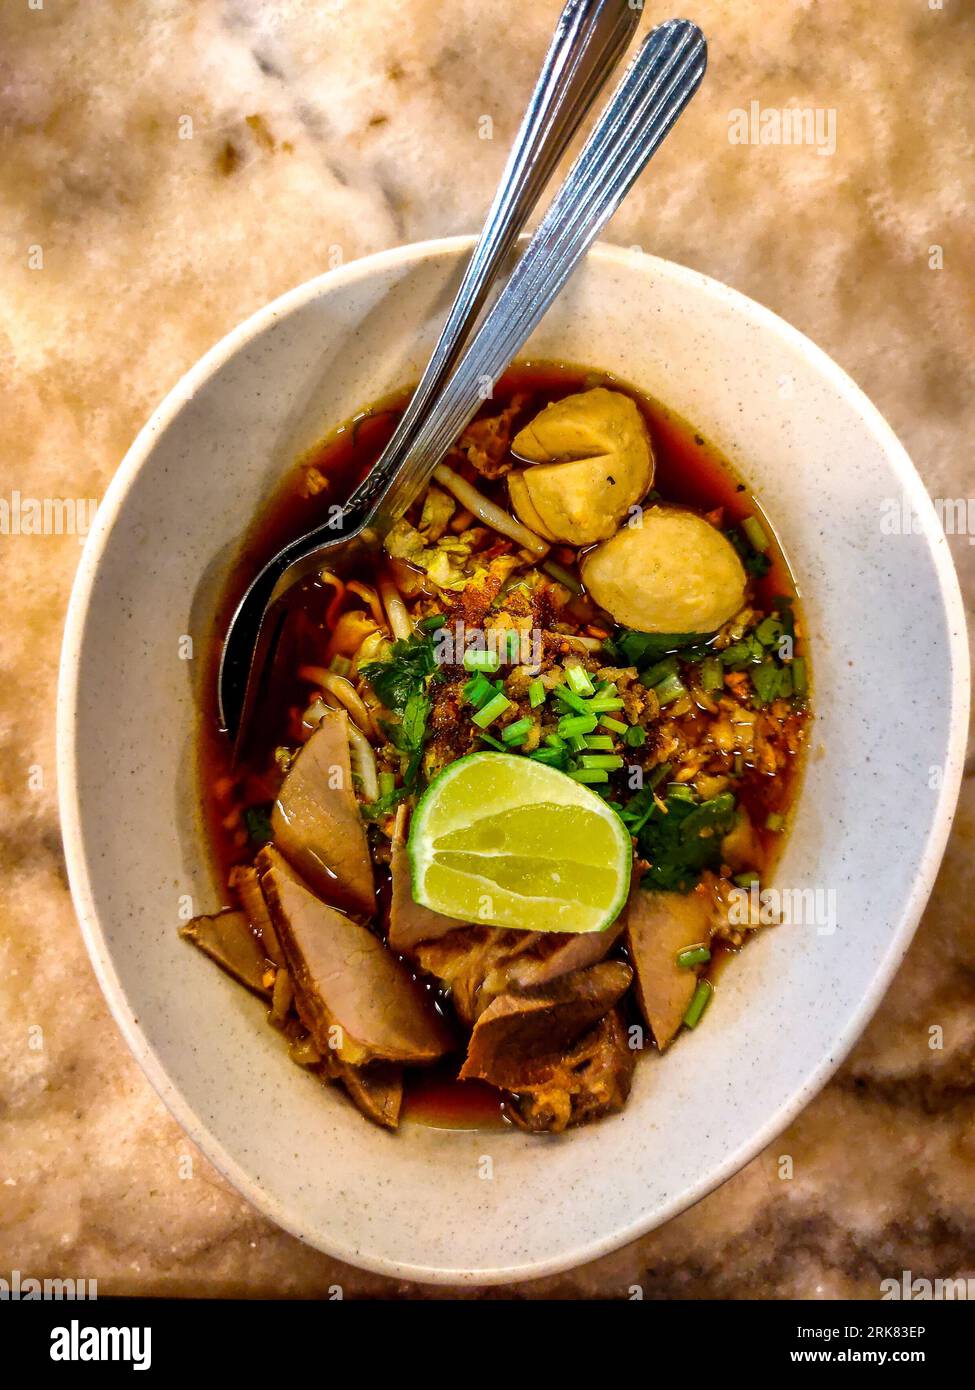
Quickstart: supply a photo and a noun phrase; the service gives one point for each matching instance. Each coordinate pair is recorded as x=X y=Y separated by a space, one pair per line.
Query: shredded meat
x=486 y=443
x=591 y=1079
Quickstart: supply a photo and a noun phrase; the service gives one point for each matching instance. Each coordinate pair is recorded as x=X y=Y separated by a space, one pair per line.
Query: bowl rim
x=67 y=771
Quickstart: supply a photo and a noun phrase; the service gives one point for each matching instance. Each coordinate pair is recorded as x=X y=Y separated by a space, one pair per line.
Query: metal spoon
x=589 y=40
x=659 y=83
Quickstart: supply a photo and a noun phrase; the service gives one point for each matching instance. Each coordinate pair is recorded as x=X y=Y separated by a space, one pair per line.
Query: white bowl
x=891 y=696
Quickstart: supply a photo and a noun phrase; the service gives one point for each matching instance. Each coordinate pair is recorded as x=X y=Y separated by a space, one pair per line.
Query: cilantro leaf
x=756 y=562
x=684 y=839
x=257 y=823
x=647 y=649
x=401 y=683
x=404 y=673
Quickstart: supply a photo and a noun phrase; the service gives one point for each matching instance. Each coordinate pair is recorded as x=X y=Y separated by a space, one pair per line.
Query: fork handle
x=661 y=80
x=589 y=40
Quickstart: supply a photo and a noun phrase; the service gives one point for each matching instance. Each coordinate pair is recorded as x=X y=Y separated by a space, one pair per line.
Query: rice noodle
x=488 y=512
x=399 y=618
x=332 y=612
x=344 y=691
x=364 y=763
x=365 y=591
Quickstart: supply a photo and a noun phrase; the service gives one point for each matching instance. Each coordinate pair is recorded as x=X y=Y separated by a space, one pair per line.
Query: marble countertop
x=166 y=169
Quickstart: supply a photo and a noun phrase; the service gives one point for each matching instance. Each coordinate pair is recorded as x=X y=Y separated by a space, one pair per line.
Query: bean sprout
x=365 y=591
x=488 y=512
x=343 y=691
x=364 y=763
x=399 y=618
x=332 y=612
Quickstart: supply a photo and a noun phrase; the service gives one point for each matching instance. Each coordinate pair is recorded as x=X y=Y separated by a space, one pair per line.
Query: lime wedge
x=510 y=842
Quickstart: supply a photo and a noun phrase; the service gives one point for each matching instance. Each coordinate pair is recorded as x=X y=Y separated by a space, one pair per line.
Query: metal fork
x=664 y=75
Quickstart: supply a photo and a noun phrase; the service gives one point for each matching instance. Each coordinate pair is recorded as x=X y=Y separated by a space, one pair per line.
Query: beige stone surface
x=332 y=128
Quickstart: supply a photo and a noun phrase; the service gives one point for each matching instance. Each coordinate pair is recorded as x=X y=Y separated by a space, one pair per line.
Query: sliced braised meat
x=409 y=922
x=353 y=995
x=659 y=926
x=316 y=820
x=228 y=939
x=547 y=955
x=517 y=1039
x=555 y=954
x=463 y=959
x=248 y=888
x=591 y=1079
x=375 y=1089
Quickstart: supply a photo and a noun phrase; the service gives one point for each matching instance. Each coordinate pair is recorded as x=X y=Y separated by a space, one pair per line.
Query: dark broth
x=689 y=472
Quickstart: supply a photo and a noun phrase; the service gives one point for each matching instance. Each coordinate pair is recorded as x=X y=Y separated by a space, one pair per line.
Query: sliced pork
x=353 y=995
x=228 y=939
x=376 y=1090
x=316 y=821
x=517 y=1039
x=410 y=922
x=658 y=927
x=588 y=1081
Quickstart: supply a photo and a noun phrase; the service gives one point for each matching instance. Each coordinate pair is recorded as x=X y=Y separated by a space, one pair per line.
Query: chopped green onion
x=712 y=676
x=387 y=784
x=746 y=879
x=551 y=757
x=433 y=622
x=579 y=681
x=481 y=661
x=563 y=576
x=515 y=733
x=635 y=737
x=589 y=775
x=799 y=678
x=510 y=645
x=658 y=775
x=554 y=741
x=752 y=528
x=570 y=698
x=571 y=724
x=479 y=690
x=680 y=791
x=774 y=821
x=493 y=742
x=670 y=690
x=606 y=760
x=615 y=726
x=536 y=694
x=603 y=704
x=769 y=631
x=599 y=742
x=577 y=743
x=493 y=710
x=653 y=675
x=693 y=955
x=702 y=998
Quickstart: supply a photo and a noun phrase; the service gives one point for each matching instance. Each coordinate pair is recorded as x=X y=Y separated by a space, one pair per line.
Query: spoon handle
x=664 y=75
x=589 y=41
